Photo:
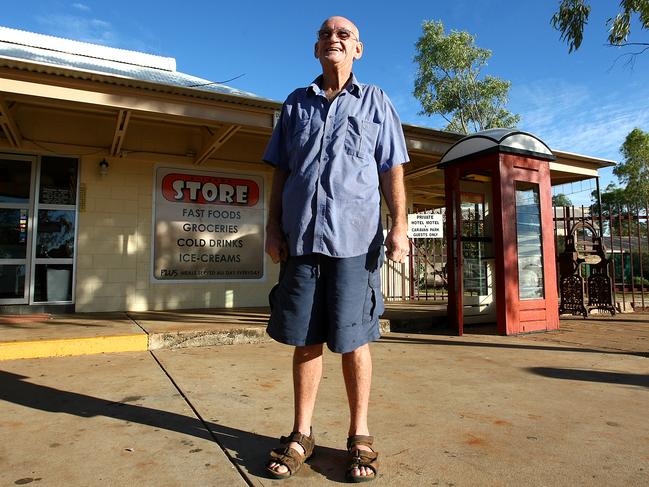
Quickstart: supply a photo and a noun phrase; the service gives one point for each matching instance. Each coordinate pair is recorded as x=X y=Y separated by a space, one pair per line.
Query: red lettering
x=200 y=189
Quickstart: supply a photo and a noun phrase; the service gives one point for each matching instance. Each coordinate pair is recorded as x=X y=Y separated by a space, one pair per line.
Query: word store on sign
x=189 y=188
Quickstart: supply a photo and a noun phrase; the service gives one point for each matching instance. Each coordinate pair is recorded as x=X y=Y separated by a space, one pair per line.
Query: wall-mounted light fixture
x=103 y=167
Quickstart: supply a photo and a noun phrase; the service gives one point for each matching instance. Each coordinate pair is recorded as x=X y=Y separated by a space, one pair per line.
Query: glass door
x=55 y=230
x=38 y=216
x=478 y=265
x=16 y=176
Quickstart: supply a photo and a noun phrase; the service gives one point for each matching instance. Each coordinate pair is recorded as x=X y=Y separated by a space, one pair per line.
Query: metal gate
x=625 y=235
x=626 y=242
x=423 y=275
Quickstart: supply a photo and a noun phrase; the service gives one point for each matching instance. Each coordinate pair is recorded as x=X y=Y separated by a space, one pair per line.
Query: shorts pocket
x=272 y=297
x=273 y=294
x=374 y=306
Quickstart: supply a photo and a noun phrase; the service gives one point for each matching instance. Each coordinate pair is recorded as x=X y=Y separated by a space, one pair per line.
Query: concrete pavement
x=44 y=335
x=565 y=408
x=85 y=333
x=107 y=419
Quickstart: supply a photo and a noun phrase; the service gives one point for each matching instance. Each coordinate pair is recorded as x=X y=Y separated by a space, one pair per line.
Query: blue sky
x=585 y=102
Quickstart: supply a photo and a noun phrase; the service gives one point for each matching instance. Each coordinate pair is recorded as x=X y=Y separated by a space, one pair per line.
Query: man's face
x=338 y=43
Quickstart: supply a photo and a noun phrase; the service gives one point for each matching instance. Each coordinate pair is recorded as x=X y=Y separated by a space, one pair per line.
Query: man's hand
x=276 y=246
x=397 y=245
x=394 y=192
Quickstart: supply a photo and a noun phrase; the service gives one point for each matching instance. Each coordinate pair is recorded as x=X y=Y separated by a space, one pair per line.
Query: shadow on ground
x=421 y=339
x=641 y=380
x=246 y=450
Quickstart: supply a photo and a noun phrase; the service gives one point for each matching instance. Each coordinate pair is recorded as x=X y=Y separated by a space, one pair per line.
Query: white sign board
x=425 y=225
x=207 y=226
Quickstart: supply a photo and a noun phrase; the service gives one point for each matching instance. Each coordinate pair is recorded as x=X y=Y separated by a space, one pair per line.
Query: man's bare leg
x=307 y=371
x=357 y=371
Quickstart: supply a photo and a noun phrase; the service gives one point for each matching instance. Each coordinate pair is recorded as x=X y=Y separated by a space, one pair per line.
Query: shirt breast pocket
x=301 y=132
x=298 y=140
x=360 y=138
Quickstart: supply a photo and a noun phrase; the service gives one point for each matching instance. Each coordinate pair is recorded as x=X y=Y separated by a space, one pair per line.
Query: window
x=529 y=241
x=55 y=230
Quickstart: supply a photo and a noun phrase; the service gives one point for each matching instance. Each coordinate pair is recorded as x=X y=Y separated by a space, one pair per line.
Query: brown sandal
x=361 y=458
x=290 y=457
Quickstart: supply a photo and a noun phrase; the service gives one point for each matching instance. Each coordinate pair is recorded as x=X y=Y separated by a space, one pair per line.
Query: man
x=337 y=142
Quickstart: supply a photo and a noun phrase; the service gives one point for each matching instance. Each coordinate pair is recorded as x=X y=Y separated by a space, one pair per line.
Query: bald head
x=341 y=22
x=338 y=44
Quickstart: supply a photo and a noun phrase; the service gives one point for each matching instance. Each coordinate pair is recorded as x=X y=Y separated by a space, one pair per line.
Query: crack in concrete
x=203 y=422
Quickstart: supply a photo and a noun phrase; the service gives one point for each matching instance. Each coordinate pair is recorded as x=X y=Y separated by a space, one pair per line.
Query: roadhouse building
x=128 y=185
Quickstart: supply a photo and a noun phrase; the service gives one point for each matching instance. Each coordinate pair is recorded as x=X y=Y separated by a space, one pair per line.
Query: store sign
x=207 y=226
x=425 y=225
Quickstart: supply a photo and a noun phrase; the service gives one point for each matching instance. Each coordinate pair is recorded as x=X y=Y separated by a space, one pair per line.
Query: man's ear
x=358 y=50
x=315 y=50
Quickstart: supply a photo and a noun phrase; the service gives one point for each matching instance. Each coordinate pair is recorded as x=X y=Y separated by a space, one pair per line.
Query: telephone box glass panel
x=528 y=239
x=474 y=243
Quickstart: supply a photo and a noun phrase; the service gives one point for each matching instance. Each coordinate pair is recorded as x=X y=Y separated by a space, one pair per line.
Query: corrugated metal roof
x=70 y=46
x=97 y=59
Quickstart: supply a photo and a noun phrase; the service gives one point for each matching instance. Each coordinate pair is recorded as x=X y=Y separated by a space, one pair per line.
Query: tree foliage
x=448 y=82
x=561 y=200
x=613 y=196
x=572 y=17
x=634 y=171
x=620 y=213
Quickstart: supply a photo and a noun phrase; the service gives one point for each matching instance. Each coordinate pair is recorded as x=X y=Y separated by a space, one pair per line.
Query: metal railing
x=625 y=235
x=423 y=276
x=624 y=232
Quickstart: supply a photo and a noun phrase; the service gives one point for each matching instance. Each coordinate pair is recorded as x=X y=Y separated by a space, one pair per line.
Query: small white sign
x=425 y=225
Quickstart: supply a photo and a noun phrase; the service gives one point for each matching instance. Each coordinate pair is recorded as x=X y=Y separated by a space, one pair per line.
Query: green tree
x=613 y=199
x=448 y=82
x=613 y=196
x=572 y=17
x=561 y=200
x=634 y=171
x=618 y=206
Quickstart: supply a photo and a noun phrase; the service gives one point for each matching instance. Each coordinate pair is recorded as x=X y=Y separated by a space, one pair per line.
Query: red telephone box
x=499 y=226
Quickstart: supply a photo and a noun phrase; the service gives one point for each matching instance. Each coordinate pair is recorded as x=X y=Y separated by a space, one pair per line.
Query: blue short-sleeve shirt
x=334 y=152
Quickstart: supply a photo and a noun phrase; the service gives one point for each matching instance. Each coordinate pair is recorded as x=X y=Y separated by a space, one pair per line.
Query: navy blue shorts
x=321 y=299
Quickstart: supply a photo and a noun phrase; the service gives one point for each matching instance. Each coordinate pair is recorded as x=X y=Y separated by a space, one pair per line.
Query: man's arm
x=394 y=192
x=276 y=246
